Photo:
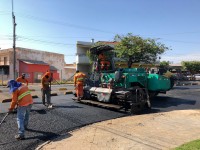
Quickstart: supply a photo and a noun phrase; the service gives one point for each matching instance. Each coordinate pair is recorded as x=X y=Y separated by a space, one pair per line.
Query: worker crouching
x=22 y=79
x=21 y=97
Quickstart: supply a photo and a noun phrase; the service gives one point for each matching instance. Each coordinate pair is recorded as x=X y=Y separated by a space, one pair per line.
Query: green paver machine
x=127 y=88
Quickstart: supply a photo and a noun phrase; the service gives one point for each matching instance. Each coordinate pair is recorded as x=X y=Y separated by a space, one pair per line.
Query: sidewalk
x=142 y=132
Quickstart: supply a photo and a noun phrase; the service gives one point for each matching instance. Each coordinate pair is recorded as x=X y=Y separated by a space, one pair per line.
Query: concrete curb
x=42 y=145
x=68 y=92
x=54 y=94
x=185 y=83
x=9 y=99
x=36 y=96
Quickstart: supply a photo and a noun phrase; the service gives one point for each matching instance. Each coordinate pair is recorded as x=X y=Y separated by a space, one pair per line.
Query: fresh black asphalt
x=46 y=124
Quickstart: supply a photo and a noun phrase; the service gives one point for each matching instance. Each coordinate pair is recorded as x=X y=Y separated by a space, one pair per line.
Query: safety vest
x=80 y=77
x=23 y=94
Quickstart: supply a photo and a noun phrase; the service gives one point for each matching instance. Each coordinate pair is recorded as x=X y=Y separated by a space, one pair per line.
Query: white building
x=82 y=61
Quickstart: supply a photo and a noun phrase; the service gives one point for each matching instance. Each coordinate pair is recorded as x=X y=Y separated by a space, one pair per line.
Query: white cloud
x=183 y=57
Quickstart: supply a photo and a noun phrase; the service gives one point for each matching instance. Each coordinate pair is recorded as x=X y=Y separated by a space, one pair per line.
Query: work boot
x=50 y=106
x=25 y=128
x=19 y=137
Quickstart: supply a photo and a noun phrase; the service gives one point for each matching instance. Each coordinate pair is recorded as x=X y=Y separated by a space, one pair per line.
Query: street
x=46 y=124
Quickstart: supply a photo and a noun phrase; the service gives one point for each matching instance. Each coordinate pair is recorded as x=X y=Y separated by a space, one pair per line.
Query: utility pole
x=14 y=39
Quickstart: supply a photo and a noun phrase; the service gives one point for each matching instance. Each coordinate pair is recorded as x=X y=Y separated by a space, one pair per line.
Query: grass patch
x=31 y=89
x=62 y=89
x=193 y=145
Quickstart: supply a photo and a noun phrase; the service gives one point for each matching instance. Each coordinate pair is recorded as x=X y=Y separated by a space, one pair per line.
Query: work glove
x=10 y=110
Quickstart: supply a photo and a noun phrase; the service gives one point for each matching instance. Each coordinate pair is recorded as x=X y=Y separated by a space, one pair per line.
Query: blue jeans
x=23 y=118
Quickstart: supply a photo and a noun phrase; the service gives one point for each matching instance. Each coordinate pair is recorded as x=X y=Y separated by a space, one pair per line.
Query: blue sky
x=56 y=25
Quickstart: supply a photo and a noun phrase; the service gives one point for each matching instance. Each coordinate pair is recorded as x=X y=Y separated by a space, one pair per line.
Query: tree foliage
x=164 y=64
x=192 y=66
x=136 y=49
x=93 y=57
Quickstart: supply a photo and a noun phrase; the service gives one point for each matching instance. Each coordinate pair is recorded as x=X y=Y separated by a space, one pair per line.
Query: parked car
x=197 y=76
x=190 y=77
x=180 y=77
x=194 y=77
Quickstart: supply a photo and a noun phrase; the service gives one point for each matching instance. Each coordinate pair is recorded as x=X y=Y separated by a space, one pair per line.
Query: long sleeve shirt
x=45 y=83
x=20 y=79
x=21 y=96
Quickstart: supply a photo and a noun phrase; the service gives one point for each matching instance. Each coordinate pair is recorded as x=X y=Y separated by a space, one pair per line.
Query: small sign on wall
x=27 y=75
x=39 y=76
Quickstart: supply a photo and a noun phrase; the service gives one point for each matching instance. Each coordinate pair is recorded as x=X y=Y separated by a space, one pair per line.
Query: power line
x=62 y=23
x=42 y=41
x=27 y=16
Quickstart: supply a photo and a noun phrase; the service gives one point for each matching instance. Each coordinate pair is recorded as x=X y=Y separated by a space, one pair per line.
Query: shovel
x=4 y=118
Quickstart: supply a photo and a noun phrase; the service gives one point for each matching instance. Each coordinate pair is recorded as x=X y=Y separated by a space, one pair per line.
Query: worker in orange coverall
x=104 y=64
x=79 y=78
x=21 y=97
x=22 y=79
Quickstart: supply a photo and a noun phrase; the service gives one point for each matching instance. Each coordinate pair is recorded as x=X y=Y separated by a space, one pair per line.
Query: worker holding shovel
x=46 y=89
x=21 y=97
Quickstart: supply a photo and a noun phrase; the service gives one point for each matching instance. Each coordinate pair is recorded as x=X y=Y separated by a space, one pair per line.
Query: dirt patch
x=151 y=131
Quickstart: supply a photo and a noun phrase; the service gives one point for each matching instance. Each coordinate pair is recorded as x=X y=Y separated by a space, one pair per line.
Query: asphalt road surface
x=46 y=124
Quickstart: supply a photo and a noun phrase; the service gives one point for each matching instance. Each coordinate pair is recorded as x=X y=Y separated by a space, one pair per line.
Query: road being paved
x=46 y=124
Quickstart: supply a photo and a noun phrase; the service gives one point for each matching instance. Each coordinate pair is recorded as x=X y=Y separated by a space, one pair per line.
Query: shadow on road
x=71 y=106
x=45 y=135
x=166 y=102
x=180 y=88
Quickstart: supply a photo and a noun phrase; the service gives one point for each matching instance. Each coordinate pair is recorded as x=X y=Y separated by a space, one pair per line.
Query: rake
x=4 y=118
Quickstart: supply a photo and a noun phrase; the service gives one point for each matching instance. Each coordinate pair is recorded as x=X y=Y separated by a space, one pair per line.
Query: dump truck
x=127 y=89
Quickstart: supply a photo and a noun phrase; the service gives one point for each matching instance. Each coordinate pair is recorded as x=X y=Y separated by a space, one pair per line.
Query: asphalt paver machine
x=128 y=89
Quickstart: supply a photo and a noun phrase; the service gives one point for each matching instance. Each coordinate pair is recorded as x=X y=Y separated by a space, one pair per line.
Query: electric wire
x=62 y=23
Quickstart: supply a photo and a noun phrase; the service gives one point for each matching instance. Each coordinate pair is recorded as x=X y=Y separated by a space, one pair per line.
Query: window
x=5 y=61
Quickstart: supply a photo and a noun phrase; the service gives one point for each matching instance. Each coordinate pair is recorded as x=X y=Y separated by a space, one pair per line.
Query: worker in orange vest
x=46 y=88
x=104 y=64
x=22 y=79
x=79 y=78
x=101 y=56
x=21 y=97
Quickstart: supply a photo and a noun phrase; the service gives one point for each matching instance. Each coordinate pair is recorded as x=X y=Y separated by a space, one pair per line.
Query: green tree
x=192 y=66
x=136 y=49
x=99 y=45
x=164 y=64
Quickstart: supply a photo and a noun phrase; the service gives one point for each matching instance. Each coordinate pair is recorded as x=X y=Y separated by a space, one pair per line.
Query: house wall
x=34 y=72
x=8 y=62
x=54 y=59
x=56 y=75
x=82 y=61
x=69 y=73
